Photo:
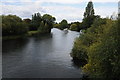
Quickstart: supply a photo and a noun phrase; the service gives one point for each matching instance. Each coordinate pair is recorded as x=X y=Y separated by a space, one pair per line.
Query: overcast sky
x=71 y=10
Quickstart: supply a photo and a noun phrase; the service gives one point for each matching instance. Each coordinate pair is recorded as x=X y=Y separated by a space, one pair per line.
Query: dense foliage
x=35 y=22
x=78 y=26
x=99 y=45
x=13 y=25
x=73 y=27
x=103 y=55
x=46 y=24
x=42 y=23
x=62 y=25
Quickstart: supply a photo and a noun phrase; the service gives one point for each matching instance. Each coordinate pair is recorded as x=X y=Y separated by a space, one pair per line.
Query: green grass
x=30 y=33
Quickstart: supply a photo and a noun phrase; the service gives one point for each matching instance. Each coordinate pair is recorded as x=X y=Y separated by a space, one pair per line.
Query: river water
x=43 y=56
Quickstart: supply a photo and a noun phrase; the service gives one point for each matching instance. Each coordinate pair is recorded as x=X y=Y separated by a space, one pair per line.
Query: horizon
x=71 y=10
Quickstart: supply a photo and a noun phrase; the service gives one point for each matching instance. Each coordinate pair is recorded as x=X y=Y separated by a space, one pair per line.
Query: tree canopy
x=73 y=27
x=46 y=24
x=99 y=46
x=63 y=24
x=13 y=25
x=35 y=22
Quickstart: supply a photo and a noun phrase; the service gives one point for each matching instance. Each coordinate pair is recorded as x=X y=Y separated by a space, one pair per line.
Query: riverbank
x=11 y=37
x=30 y=33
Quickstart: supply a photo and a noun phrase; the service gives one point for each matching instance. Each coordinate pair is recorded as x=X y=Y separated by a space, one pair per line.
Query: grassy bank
x=30 y=33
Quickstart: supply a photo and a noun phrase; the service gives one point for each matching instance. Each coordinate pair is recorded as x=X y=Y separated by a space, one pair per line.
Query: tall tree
x=89 y=10
x=88 y=16
x=46 y=24
x=36 y=20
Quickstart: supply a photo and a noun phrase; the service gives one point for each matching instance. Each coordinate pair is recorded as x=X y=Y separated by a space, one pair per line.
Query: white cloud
x=65 y=12
x=105 y=11
x=71 y=13
x=104 y=0
x=60 y=12
x=60 y=1
x=23 y=11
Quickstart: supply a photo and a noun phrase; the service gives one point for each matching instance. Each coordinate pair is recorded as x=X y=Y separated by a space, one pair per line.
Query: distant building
x=119 y=9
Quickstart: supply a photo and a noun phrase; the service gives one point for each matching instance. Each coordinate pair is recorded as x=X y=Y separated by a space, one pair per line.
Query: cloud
x=65 y=12
x=106 y=11
x=28 y=8
x=71 y=10
x=60 y=1
x=24 y=10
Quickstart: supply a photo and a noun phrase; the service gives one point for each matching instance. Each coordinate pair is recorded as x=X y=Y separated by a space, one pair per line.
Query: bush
x=13 y=25
x=100 y=45
x=73 y=27
x=103 y=55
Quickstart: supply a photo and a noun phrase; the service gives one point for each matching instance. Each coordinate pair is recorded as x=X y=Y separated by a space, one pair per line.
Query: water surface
x=43 y=56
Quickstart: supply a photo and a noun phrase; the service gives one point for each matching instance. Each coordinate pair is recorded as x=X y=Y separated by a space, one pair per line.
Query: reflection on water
x=11 y=45
x=41 y=56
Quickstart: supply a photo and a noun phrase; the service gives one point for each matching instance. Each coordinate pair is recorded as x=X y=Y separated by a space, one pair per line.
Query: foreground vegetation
x=98 y=45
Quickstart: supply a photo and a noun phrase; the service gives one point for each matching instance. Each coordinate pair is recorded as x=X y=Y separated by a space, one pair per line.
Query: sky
x=71 y=10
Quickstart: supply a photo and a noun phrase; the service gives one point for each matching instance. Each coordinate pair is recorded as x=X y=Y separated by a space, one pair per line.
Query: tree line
x=14 y=25
x=77 y=26
x=98 y=46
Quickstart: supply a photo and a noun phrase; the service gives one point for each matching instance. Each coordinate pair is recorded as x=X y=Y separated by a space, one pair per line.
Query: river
x=44 y=56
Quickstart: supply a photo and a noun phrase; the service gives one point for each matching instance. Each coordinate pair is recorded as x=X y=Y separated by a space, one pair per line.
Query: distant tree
x=41 y=27
x=56 y=25
x=14 y=25
x=36 y=17
x=73 y=27
x=27 y=20
x=36 y=20
x=48 y=19
x=28 y=23
x=46 y=24
x=78 y=25
x=63 y=24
